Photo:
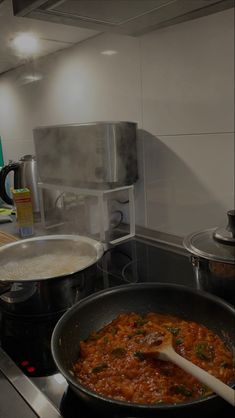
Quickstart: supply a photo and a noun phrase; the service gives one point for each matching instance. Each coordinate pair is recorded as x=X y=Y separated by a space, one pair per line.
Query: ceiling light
x=109 y=52
x=26 y=44
x=31 y=78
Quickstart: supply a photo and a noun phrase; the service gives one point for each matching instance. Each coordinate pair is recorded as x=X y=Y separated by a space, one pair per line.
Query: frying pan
x=95 y=311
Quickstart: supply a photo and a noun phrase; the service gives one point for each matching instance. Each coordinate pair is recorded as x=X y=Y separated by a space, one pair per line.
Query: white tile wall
x=15 y=109
x=84 y=85
x=79 y=84
x=13 y=150
x=188 y=77
x=189 y=181
x=177 y=83
x=188 y=124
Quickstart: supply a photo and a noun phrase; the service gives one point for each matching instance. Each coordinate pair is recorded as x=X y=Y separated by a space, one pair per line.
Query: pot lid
x=216 y=244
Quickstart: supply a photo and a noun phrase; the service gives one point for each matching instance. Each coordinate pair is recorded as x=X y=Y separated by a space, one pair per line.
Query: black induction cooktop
x=26 y=363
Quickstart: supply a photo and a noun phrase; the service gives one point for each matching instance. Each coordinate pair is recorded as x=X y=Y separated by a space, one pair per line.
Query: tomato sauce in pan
x=112 y=364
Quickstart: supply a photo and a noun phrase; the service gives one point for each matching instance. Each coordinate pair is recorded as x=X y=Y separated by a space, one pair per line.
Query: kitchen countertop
x=141 y=233
x=12 y=228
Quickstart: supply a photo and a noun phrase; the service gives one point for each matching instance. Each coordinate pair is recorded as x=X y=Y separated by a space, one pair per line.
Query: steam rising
x=91 y=156
x=96 y=155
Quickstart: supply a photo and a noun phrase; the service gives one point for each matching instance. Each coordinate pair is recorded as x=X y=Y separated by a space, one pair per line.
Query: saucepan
x=99 y=309
x=213 y=259
x=47 y=274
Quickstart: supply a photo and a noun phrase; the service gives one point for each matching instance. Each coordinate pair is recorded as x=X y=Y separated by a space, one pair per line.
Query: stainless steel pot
x=55 y=286
x=213 y=259
x=25 y=174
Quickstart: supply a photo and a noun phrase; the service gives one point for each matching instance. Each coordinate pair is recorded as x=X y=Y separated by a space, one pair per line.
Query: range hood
x=130 y=17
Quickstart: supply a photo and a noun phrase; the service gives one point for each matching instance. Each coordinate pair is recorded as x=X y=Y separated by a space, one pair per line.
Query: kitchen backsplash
x=177 y=83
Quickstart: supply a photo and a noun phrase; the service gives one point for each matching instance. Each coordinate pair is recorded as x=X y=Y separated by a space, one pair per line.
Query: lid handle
x=231 y=222
x=227 y=235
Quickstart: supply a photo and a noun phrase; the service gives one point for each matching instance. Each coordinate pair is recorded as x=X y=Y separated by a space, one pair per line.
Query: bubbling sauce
x=111 y=362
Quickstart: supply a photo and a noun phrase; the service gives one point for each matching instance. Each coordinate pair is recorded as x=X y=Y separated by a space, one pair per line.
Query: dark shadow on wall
x=169 y=196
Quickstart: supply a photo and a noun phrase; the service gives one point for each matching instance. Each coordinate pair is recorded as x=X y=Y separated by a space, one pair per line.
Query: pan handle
x=5 y=287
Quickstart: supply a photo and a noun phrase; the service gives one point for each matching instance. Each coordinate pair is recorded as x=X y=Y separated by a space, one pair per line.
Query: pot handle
x=194 y=261
x=5 y=287
x=3 y=174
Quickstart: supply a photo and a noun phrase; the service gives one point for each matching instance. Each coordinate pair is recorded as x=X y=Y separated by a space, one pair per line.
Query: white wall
x=177 y=83
x=188 y=108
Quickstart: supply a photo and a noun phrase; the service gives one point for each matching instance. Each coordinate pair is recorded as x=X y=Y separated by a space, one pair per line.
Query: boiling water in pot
x=44 y=266
x=47 y=257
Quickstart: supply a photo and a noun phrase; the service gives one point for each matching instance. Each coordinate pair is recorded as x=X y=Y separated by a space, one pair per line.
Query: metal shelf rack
x=101 y=195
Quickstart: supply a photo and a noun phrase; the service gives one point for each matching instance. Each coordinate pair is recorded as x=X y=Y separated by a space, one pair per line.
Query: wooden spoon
x=159 y=345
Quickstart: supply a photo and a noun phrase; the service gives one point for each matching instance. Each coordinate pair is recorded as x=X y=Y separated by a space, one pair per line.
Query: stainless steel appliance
x=25 y=175
x=93 y=155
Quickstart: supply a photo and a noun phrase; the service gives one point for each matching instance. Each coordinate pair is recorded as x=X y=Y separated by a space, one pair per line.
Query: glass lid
x=216 y=244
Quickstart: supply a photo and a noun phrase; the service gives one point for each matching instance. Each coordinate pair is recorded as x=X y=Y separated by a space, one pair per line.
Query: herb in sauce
x=224 y=364
x=139 y=355
x=140 y=322
x=113 y=331
x=205 y=351
x=179 y=341
x=99 y=368
x=173 y=330
x=183 y=390
x=140 y=332
x=119 y=352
